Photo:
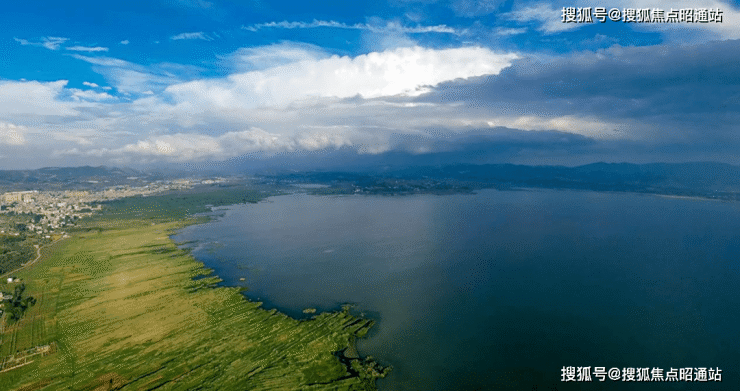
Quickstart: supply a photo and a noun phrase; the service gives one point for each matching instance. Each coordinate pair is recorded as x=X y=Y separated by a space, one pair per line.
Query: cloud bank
x=290 y=99
x=406 y=71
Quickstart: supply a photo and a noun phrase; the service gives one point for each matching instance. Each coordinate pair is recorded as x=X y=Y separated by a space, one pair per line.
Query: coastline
x=349 y=355
x=150 y=322
x=692 y=198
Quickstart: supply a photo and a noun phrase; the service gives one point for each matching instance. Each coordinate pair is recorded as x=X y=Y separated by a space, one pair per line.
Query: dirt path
x=38 y=256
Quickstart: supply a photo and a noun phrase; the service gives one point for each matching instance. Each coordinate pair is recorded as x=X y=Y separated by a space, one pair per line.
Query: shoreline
x=132 y=274
x=691 y=198
x=346 y=355
x=349 y=352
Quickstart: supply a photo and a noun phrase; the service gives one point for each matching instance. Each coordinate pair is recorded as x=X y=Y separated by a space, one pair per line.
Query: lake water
x=500 y=289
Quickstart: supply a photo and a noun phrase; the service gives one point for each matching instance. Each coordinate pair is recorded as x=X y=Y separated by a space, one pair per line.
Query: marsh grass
x=124 y=307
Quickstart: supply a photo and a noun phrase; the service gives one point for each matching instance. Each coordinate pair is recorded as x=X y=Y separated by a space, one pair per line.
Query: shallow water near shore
x=499 y=289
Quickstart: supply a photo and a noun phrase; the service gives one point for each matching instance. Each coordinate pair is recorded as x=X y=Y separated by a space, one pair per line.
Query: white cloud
x=130 y=78
x=11 y=134
x=405 y=71
x=24 y=42
x=51 y=43
x=293 y=98
x=297 y=97
x=473 y=8
x=87 y=48
x=510 y=31
x=192 y=146
x=549 y=17
x=88 y=95
x=296 y=101
x=82 y=137
x=196 y=35
x=313 y=141
x=269 y=56
x=377 y=28
x=104 y=61
x=589 y=127
x=34 y=98
x=181 y=147
x=125 y=42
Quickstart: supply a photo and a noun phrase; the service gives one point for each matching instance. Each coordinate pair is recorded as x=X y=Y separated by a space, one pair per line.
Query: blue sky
x=173 y=82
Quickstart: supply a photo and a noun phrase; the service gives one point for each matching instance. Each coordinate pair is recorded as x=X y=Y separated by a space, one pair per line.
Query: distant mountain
x=713 y=180
x=87 y=177
x=702 y=176
x=706 y=179
x=88 y=171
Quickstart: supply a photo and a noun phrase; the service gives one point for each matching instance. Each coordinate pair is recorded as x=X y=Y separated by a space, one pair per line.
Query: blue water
x=500 y=289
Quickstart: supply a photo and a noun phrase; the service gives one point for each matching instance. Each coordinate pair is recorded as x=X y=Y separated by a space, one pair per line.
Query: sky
x=197 y=83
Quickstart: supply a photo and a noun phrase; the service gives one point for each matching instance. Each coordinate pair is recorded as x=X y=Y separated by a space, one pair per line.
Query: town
x=49 y=213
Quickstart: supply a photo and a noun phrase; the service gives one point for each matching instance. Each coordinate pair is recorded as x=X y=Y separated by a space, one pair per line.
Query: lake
x=499 y=289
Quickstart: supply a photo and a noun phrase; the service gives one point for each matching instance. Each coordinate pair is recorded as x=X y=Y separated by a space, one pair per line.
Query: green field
x=121 y=307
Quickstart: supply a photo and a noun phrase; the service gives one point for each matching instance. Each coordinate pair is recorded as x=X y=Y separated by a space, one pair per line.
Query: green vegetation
x=120 y=307
x=16 y=250
x=18 y=304
x=178 y=205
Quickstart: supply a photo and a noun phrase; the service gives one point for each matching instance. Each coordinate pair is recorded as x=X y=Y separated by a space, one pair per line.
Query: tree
x=18 y=304
x=18 y=291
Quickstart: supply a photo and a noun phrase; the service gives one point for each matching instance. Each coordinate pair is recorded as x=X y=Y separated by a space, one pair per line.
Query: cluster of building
x=52 y=211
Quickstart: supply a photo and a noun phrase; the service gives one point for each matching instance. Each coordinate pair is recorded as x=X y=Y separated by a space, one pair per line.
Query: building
x=9 y=198
x=77 y=193
x=19 y=196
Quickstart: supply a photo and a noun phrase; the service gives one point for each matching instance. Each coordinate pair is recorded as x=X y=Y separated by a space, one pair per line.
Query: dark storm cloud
x=689 y=93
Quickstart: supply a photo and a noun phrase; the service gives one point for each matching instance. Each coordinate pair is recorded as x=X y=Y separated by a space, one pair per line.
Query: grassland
x=124 y=309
